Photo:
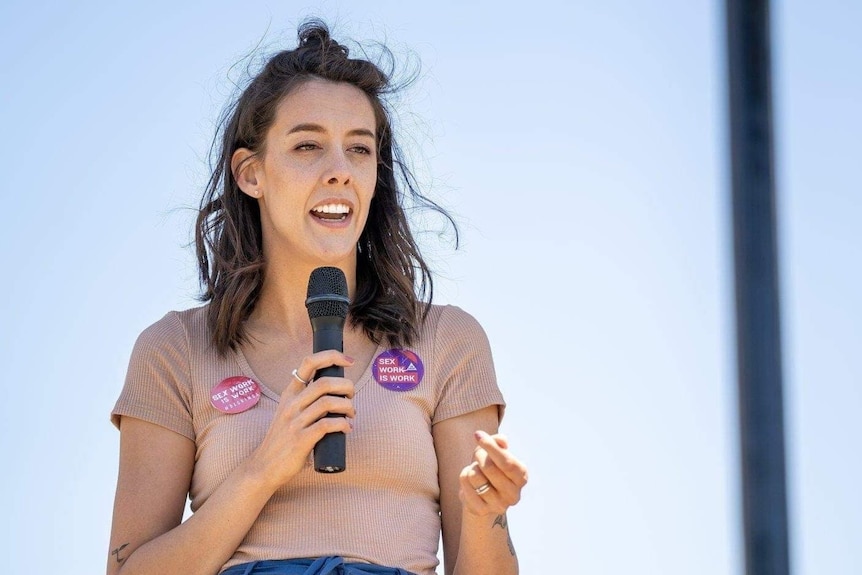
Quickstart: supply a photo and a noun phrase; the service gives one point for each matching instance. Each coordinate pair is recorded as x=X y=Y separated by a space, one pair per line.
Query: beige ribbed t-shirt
x=384 y=508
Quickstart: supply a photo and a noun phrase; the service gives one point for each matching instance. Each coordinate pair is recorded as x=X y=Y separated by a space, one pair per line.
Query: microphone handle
x=330 y=451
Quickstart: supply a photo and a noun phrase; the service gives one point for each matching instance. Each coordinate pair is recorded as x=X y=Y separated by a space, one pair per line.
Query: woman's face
x=317 y=176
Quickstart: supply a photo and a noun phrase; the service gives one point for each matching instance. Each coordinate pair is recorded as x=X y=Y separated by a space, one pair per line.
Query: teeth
x=332 y=209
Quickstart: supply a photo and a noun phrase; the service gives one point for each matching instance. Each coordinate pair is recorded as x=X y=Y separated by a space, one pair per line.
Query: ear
x=244 y=165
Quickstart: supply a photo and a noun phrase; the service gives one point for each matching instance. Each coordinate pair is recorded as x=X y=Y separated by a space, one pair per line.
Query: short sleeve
x=464 y=366
x=158 y=383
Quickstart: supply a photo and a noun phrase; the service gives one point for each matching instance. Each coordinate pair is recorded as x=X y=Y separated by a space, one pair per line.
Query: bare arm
x=147 y=536
x=476 y=537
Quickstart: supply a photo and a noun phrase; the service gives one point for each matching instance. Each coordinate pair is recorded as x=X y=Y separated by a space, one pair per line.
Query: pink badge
x=235 y=394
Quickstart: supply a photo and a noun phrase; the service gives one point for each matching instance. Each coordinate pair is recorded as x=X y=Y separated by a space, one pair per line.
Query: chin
x=339 y=258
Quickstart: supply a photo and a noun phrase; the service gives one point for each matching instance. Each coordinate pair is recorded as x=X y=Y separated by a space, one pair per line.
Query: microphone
x=327 y=304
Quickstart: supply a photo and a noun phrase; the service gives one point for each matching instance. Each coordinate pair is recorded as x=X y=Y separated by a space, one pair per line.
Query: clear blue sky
x=582 y=147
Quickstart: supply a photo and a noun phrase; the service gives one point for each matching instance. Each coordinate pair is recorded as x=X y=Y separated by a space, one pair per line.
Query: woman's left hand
x=493 y=481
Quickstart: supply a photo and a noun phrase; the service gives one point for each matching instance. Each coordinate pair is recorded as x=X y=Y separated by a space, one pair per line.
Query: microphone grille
x=327 y=293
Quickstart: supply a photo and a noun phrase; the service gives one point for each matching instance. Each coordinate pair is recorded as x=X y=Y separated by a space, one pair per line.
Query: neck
x=281 y=306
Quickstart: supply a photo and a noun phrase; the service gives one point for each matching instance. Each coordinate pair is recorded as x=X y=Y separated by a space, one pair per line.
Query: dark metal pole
x=764 y=499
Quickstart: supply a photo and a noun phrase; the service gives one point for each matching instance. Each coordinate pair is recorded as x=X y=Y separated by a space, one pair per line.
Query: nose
x=338 y=171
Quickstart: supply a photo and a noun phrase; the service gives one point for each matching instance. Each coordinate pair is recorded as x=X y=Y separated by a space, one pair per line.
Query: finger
x=303 y=376
x=326 y=405
x=505 y=489
x=480 y=494
x=308 y=437
x=510 y=465
x=329 y=425
x=311 y=402
x=493 y=501
x=328 y=386
x=473 y=476
x=310 y=364
x=501 y=440
x=297 y=382
x=294 y=386
x=470 y=499
x=331 y=386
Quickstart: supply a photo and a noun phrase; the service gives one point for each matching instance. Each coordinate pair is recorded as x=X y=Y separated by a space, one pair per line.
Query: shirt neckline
x=245 y=368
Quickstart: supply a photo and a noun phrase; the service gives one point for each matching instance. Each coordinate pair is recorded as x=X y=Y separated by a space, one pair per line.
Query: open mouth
x=331 y=212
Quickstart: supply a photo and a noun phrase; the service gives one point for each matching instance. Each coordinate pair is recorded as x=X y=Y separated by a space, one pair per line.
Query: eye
x=306 y=146
x=361 y=149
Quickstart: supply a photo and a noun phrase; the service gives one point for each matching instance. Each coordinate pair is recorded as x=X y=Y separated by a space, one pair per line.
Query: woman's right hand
x=300 y=422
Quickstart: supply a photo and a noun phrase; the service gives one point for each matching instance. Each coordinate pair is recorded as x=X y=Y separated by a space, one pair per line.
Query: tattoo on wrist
x=501 y=521
x=504 y=525
x=117 y=552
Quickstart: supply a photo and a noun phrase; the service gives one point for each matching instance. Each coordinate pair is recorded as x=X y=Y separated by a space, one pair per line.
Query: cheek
x=296 y=175
x=287 y=165
x=369 y=180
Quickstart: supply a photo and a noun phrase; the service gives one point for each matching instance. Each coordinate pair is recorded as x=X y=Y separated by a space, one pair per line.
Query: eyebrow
x=321 y=129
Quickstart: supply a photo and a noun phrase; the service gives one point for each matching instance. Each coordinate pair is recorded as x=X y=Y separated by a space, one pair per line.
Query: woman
x=220 y=403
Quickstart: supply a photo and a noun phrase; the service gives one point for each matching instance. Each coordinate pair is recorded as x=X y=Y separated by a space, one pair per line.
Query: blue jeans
x=321 y=566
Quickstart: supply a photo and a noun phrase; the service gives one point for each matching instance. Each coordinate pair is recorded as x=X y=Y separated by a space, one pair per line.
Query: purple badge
x=398 y=369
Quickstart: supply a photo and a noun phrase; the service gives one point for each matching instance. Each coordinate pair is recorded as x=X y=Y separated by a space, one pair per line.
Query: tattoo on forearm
x=117 y=552
x=504 y=525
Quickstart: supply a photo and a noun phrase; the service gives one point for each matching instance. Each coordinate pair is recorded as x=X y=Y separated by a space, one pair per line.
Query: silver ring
x=483 y=489
x=299 y=379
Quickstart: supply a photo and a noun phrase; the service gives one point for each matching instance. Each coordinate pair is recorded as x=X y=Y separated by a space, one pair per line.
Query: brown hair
x=392 y=279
